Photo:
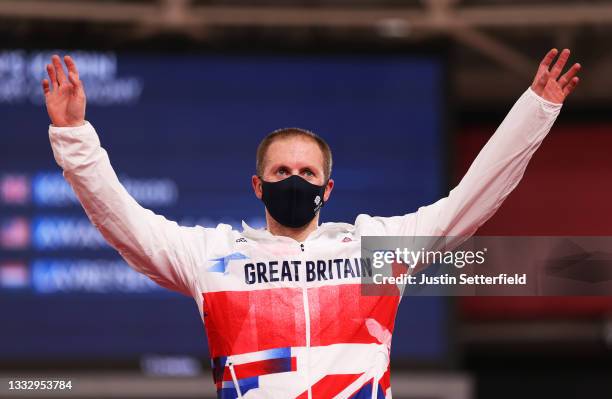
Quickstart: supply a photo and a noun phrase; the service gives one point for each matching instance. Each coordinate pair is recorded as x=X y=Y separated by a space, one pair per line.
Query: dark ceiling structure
x=495 y=45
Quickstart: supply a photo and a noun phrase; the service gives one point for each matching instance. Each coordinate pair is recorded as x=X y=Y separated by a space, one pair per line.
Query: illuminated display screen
x=181 y=132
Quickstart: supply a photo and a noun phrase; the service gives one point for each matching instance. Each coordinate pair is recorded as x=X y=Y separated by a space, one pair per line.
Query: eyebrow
x=303 y=168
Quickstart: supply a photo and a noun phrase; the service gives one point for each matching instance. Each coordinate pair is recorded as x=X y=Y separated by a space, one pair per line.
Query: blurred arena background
x=406 y=92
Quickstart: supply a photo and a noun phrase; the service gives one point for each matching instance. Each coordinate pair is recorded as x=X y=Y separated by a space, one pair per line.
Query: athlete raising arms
x=282 y=307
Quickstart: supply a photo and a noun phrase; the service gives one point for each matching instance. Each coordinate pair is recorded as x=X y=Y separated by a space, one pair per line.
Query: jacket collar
x=325 y=228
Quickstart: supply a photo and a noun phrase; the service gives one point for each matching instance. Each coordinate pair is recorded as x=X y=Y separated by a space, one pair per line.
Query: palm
x=66 y=102
x=549 y=83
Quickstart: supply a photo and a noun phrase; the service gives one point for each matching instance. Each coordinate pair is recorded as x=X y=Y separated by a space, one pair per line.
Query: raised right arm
x=150 y=243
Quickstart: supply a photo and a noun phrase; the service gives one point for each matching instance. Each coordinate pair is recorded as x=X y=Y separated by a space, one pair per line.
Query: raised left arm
x=500 y=165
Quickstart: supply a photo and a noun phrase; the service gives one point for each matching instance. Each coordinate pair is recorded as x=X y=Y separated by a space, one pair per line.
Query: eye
x=282 y=171
x=308 y=173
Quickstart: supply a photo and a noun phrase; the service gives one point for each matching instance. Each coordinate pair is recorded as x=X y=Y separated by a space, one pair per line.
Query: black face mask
x=292 y=202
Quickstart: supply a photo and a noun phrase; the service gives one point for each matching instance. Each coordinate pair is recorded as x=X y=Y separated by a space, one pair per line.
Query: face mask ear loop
x=261 y=182
x=325 y=184
x=323 y=193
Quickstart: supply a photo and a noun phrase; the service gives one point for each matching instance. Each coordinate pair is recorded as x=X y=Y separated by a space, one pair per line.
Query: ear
x=256 y=183
x=328 y=189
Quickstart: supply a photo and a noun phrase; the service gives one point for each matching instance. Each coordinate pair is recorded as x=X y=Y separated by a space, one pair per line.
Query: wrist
x=68 y=124
x=543 y=98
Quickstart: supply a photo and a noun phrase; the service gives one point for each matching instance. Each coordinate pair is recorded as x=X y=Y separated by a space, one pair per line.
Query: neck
x=299 y=234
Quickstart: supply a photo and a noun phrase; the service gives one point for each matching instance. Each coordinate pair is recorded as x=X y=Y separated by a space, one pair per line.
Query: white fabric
x=179 y=258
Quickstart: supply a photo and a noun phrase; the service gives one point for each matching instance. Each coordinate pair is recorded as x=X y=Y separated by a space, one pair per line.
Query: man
x=283 y=310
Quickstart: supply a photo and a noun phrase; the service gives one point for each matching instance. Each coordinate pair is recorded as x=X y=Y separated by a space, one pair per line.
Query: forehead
x=295 y=151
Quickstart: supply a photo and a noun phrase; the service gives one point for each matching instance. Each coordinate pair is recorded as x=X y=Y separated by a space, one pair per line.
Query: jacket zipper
x=377 y=377
x=307 y=325
x=375 y=387
x=234 y=378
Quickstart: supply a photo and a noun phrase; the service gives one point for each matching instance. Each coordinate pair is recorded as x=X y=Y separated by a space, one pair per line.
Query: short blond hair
x=290 y=132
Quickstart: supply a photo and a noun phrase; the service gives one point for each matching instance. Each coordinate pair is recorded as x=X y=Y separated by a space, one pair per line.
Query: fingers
x=57 y=76
x=566 y=83
x=74 y=79
x=45 y=86
x=571 y=86
x=52 y=76
x=59 y=71
x=548 y=58
x=541 y=80
x=71 y=65
x=560 y=64
x=569 y=75
x=73 y=73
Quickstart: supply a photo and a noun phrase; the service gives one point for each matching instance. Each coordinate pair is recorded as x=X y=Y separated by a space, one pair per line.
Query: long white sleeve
x=495 y=172
x=151 y=244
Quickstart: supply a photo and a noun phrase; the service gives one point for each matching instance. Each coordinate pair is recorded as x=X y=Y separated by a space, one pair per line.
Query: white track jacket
x=285 y=319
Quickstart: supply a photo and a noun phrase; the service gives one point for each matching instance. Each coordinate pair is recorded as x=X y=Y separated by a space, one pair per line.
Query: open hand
x=547 y=83
x=66 y=102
